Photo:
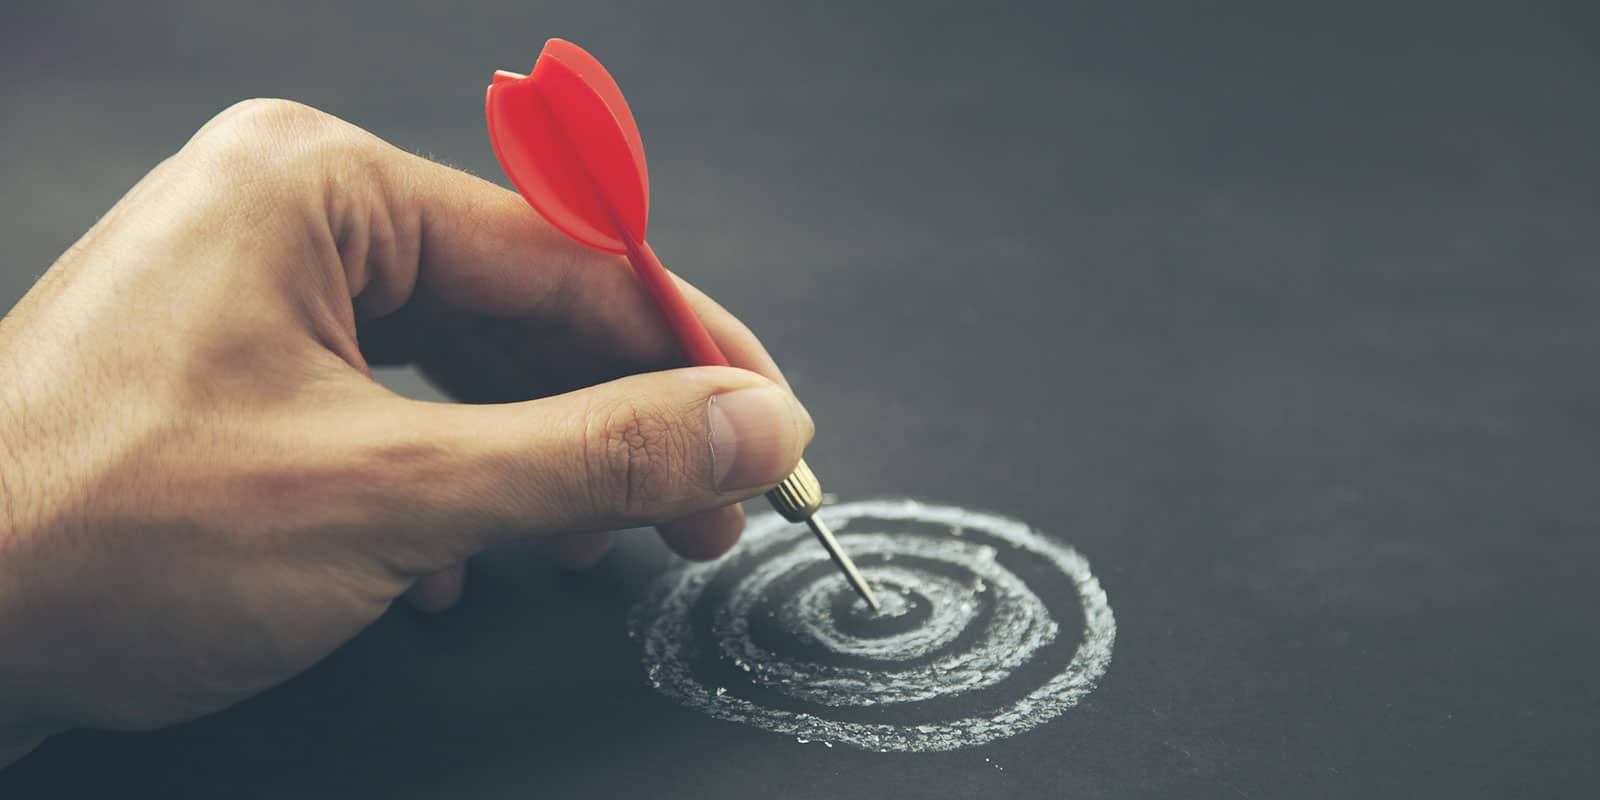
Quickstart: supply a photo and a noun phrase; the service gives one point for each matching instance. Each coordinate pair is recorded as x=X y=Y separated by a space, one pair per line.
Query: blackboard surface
x=1285 y=318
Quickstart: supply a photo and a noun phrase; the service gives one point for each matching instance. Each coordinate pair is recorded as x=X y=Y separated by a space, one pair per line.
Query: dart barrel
x=799 y=496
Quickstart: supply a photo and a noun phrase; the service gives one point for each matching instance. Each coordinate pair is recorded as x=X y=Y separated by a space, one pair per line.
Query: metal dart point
x=797 y=499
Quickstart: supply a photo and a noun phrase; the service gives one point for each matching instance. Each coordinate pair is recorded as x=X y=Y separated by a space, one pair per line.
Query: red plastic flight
x=565 y=137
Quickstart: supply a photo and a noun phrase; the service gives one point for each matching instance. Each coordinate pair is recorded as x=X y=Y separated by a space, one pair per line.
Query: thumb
x=635 y=451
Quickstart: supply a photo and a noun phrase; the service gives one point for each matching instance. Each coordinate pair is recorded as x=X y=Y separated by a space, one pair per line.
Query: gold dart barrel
x=799 y=496
x=797 y=499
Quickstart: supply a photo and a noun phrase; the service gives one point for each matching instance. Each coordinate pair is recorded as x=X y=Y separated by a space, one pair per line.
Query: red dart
x=565 y=137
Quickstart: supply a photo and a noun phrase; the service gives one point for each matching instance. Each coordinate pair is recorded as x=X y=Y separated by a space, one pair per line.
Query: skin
x=202 y=490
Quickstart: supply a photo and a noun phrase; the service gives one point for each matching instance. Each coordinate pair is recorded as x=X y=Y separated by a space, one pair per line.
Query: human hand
x=203 y=491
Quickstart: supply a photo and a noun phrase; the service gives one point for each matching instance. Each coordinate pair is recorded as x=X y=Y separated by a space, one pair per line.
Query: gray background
x=1284 y=317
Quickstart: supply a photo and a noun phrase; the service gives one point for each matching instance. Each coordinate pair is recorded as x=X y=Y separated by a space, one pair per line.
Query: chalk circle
x=975 y=624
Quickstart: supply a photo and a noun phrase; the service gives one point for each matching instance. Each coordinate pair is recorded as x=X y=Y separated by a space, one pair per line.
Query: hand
x=203 y=491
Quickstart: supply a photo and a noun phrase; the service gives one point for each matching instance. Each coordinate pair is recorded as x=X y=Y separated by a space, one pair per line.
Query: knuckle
x=264 y=140
x=634 y=452
x=365 y=490
x=363 y=478
x=267 y=116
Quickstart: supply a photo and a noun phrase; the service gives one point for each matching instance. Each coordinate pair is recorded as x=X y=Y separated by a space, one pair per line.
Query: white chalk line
x=1017 y=628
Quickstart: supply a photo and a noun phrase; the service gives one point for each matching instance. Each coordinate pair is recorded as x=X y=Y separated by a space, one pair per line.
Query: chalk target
x=772 y=636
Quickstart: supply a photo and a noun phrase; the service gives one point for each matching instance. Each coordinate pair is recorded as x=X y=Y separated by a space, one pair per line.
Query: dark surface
x=1286 y=319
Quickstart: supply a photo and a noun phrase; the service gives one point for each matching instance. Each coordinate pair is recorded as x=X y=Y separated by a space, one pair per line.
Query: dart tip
x=848 y=567
x=866 y=594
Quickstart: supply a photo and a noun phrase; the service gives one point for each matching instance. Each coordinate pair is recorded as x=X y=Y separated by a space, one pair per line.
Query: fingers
x=438 y=591
x=578 y=550
x=483 y=252
x=735 y=339
x=705 y=535
x=410 y=232
x=640 y=450
x=414 y=236
x=701 y=536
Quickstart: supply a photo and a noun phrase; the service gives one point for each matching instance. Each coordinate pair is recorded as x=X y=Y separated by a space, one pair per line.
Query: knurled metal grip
x=799 y=496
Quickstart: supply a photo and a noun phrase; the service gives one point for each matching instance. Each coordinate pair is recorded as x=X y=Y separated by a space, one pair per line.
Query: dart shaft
x=799 y=496
x=686 y=326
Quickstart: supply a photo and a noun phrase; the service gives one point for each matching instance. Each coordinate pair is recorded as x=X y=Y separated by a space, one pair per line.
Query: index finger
x=485 y=251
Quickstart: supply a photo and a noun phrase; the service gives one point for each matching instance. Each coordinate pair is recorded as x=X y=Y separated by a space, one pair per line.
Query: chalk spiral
x=772 y=636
